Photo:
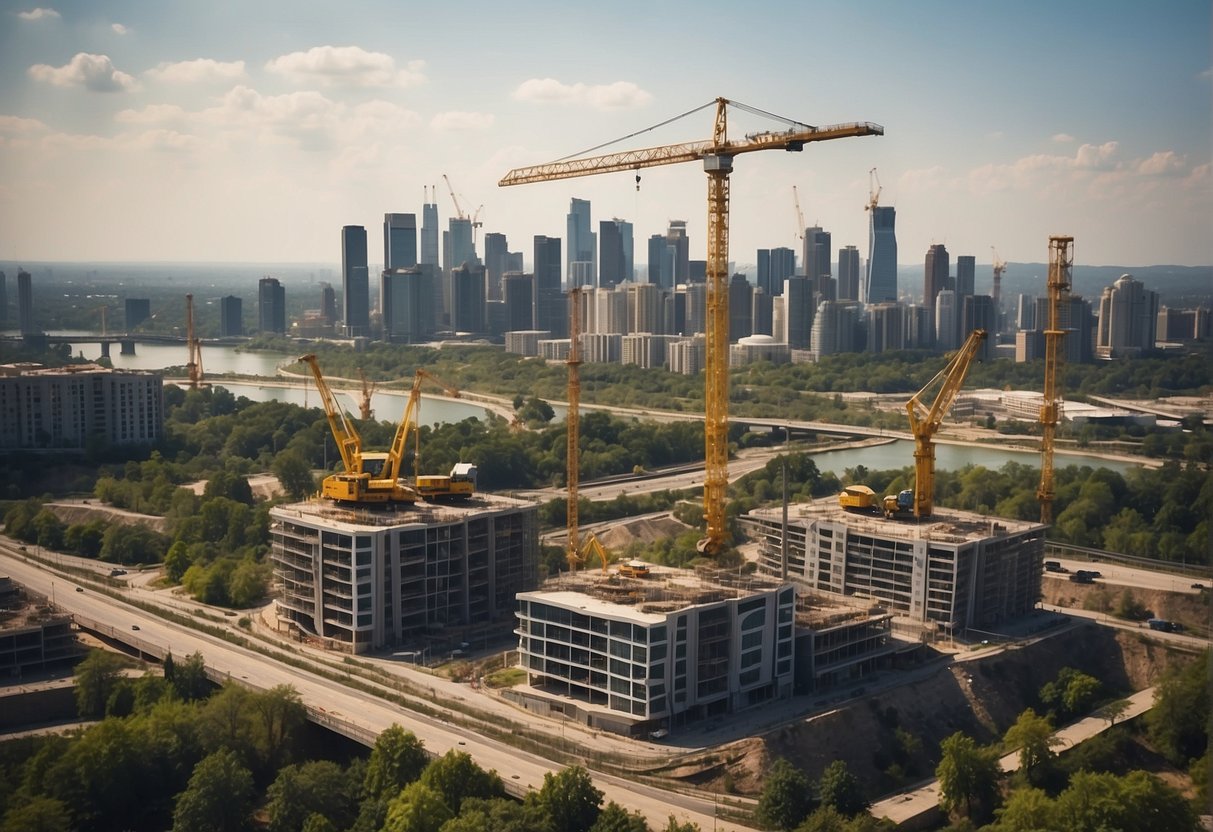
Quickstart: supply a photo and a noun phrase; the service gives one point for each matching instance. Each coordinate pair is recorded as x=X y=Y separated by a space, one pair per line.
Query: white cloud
x=17 y=125
x=456 y=120
x=93 y=72
x=346 y=66
x=199 y=70
x=151 y=114
x=119 y=29
x=39 y=14
x=1162 y=163
x=1096 y=156
x=616 y=96
x=1062 y=138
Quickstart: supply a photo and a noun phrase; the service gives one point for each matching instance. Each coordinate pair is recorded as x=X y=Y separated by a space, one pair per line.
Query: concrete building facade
x=362 y=580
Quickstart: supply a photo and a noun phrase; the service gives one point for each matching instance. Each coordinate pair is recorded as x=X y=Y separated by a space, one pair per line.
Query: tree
x=417 y=808
x=1137 y=802
x=1033 y=736
x=615 y=818
x=397 y=759
x=498 y=815
x=189 y=678
x=570 y=799
x=456 y=777
x=1180 y=718
x=968 y=775
x=295 y=474
x=840 y=789
x=1071 y=693
x=1027 y=809
x=676 y=826
x=785 y=800
x=38 y=814
x=177 y=561
x=96 y=678
x=319 y=788
x=220 y=796
x=279 y=715
x=1114 y=710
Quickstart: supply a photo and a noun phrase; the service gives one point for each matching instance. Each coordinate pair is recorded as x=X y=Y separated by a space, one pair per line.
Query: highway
x=366 y=714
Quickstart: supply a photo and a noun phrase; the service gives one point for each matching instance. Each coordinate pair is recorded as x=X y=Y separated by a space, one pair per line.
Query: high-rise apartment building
x=25 y=303
x=835 y=328
x=947 y=320
x=429 y=234
x=355 y=282
x=496 y=263
x=399 y=241
x=136 y=311
x=881 y=284
x=935 y=274
x=71 y=406
x=271 y=305
x=581 y=241
x=848 y=273
x=407 y=303
x=231 y=317
x=885 y=327
x=644 y=308
x=1128 y=319
x=550 y=312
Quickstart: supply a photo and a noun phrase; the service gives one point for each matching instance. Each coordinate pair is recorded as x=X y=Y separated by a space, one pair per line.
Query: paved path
x=924 y=798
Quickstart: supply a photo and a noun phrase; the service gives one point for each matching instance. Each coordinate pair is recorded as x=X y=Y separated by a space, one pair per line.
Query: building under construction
x=413 y=575
x=952 y=571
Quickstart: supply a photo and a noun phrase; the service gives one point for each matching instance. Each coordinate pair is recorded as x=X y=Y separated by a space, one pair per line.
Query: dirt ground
x=892 y=738
x=1190 y=610
x=644 y=530
x=73 y=512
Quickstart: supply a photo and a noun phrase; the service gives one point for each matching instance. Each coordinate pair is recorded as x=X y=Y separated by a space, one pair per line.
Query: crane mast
x=193 y=366
x=1061 y=261
x=572 y=426
x=365 y=411
x=717 y=158
x=925 y=421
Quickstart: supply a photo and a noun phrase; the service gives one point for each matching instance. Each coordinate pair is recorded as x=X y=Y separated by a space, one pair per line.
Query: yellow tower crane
x=1061 y=261
x=577 y=553
x=193 y=366
x=717 y=157
x=1000 y=266
x=365 y=410
x=925 y=421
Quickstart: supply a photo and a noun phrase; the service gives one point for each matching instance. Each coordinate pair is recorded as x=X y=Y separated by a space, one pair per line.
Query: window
x=657 y=653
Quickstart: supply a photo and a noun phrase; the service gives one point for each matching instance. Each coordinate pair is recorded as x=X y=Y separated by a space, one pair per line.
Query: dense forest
x=171 y=752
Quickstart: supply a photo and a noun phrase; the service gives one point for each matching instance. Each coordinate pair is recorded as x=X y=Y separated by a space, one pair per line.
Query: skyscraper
x=25 y=303
x=407 y=303
x=741 y=308
x=678 y=250
x=467 y=298
x=3 y=300
x=935 y=274
x=817 y=254
x=355 y=282
x=881 y=284
x=657 y=273
x=848 y=273
x=271 y=303
x=496 y=263
x=977 y=312
x=519 y=291
x=783 y=266
x=966 y=276
x=615 y=252
x=947 y=320
x=798 y=311
x=136 y=311
x=399 y=241
x=1128 y=319
x=328 y=304
x=582 y=243
x=550 y=311
x=231 y=317
x=429 y=234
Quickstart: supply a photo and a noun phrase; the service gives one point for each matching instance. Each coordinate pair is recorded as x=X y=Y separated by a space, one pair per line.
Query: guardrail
x=1086 y=553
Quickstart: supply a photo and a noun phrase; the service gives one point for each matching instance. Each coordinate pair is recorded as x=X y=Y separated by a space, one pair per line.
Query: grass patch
x=507 y=677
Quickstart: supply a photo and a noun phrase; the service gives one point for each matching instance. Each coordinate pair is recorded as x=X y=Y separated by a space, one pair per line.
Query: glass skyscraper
x=355 y=281
x=882 y=256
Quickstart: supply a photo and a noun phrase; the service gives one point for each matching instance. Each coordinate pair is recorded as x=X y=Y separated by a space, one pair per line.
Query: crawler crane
x=924 y=422
x=460 y=484
x=716 y=155
x=368 y=478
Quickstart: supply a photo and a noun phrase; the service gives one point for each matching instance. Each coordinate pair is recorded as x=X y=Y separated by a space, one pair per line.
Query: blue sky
x=252 y=131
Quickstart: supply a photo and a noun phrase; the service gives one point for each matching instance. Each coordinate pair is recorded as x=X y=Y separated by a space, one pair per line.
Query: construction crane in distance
x=459 y=214
x=874 y=189
x=800 y=226
x=1000 y=266
x=1061 y=261
x=925 y=421
x=368 y=478
x=460 y=483
x=716 y=154
x=193 y=366
x=365 y=411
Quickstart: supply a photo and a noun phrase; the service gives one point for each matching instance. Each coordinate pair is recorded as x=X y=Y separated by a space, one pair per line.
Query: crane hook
x=638 y=181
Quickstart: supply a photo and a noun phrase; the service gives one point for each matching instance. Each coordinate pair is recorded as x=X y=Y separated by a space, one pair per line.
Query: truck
x=900 y=503
x=857 y=498
x=1054 y=566
x=460 y=484
x=634 y=569
x=1161 y=624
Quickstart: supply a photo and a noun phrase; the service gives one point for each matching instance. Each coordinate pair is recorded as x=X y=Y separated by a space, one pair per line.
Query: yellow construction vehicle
x=634 y=569
x=924 y=425
x=857 y=498
x=460 y=483
x=368 y=478
x=577 y=556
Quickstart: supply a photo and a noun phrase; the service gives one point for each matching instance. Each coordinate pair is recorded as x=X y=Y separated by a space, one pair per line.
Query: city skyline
x=192 y=133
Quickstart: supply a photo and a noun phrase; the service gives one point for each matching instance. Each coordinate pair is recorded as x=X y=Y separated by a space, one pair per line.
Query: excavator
x=369 y=478
x=460 y=483
x=924 y=422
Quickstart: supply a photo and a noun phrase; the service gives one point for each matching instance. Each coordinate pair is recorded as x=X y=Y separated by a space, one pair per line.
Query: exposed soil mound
x=73 y=513
x=1189 y=609
x=643 y=530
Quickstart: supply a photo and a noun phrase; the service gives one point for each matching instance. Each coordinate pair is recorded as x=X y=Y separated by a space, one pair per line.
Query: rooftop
x=354 y=520
x=648 y=600
x=946 y=524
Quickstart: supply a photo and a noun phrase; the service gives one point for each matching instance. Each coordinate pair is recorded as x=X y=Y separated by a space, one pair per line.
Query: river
x=435 y=411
